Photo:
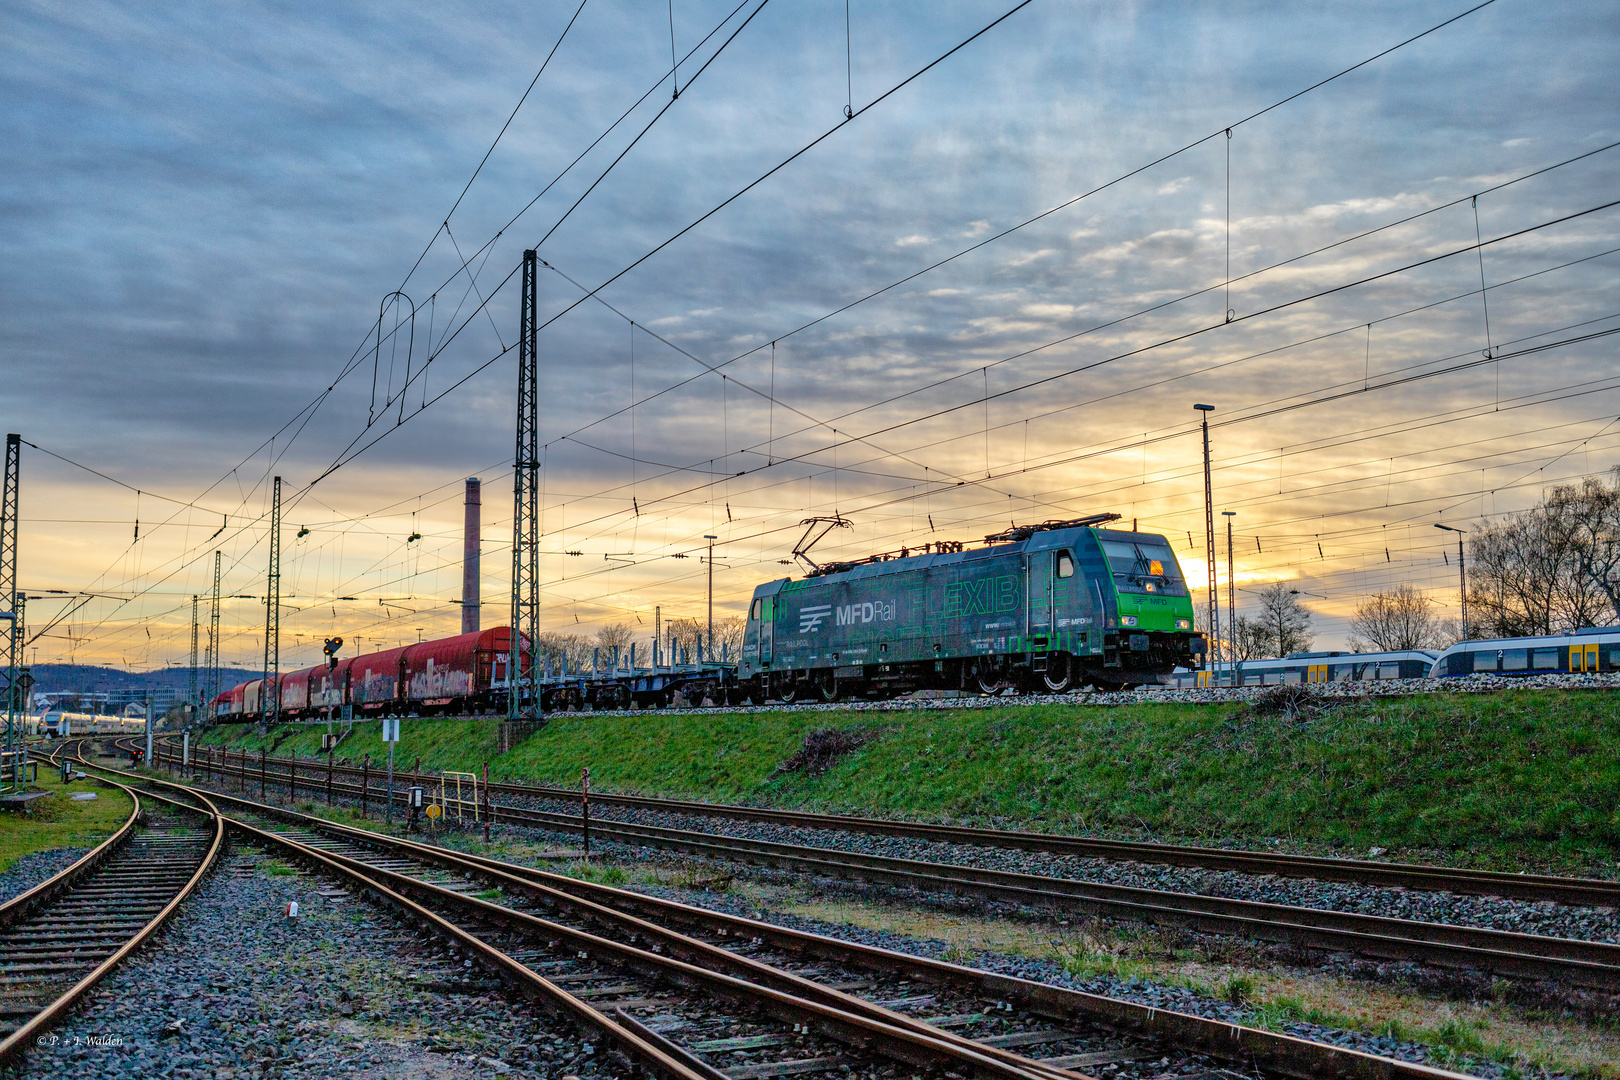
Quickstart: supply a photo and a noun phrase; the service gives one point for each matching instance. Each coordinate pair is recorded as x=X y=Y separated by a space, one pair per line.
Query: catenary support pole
x=270 y=688
x=1462 y=576
x=526 y=505
x=193 y=687
x=213 y=634
x=710 y=634
x=1231 y=600
x=12 y=599
x=1214 y=627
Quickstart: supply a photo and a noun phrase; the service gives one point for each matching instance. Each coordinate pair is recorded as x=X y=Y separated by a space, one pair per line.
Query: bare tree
x=686 y=633
x=1527 y=574
x=1402 y=618
x=614 y=636
x=555 y=649
x=1447 y=632
x=1286 y=620
x=1590 y=517
x=728 y=635
x=1251 y=639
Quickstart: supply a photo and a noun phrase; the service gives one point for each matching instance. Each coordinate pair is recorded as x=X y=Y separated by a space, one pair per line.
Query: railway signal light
x=333 y=644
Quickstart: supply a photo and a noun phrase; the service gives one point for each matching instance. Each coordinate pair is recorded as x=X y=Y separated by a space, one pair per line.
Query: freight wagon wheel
x=1059 y=675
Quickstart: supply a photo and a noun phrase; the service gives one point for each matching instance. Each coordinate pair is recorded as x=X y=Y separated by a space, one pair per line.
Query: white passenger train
x=60 y=725
x=1596 y=648
x=1313 y=667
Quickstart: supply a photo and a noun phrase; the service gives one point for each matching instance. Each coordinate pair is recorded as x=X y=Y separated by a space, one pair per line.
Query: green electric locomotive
x=1040 y=607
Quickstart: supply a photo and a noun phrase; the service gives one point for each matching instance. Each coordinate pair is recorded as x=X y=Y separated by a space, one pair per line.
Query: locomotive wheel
x=1059 y=674
x=787 y=691
x=991 y=682
x=830 y=690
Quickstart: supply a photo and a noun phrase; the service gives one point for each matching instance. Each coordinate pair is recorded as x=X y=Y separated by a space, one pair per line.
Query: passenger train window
x=1389 y=671
x=1065 y=564
x=1515 y=659
x=1548 y=659
x=1484 y=660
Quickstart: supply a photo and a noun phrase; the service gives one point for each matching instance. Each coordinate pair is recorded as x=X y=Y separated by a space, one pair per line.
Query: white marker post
x=148 y=761
x=390 y=734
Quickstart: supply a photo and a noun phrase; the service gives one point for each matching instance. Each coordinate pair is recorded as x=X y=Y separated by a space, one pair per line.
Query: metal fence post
x=585 y=808
x=488 y=803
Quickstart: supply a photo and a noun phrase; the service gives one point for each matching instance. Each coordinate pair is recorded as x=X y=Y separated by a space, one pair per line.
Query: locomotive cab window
x=753 y=613
x=1146 y=564
x=1065 y=564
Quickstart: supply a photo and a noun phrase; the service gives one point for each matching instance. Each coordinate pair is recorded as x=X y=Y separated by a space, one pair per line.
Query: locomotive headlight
x=1127 y=620
x=1183 y=624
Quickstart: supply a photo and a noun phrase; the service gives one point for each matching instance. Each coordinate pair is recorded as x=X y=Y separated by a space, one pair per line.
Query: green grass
x=1494 y=779
x=58 y=822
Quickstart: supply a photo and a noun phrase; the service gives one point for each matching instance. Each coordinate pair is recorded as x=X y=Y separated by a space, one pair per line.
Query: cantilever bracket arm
x=814 y=529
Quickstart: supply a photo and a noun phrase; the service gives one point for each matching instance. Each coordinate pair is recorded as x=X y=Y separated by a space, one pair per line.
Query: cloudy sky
x=206 y=207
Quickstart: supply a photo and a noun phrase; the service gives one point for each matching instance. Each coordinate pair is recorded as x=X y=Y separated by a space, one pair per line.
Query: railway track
x=62 y=937
x=1592 y=965
x=1593 y=892
x=726 y=996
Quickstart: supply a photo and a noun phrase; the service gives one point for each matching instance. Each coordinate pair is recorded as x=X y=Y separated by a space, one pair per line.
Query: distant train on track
x=1593 y=649
x=1037 y=608
x=55 y=724
x=1312 y=667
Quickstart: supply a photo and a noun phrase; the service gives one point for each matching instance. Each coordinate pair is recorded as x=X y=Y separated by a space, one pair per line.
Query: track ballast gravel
x=1482 y=683
x=1158 y=995
x=30 y=870
x=1495 y=913
x=232 y=989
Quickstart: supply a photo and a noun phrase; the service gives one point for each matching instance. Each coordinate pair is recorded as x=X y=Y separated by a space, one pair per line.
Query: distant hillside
x=85 y=678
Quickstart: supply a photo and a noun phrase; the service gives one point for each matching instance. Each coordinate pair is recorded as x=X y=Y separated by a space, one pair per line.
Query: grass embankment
x=1506 y=780
x=58 y=821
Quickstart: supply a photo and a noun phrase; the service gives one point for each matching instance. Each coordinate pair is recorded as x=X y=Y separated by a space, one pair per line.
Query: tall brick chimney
x=469 y=558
